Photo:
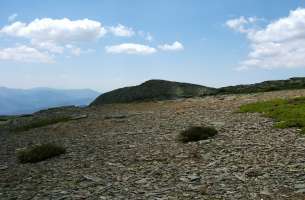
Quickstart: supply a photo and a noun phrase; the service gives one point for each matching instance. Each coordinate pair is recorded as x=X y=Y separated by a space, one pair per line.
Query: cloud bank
x=280 y=44
x=50 y=36
x=59 y=31
x=46 y=37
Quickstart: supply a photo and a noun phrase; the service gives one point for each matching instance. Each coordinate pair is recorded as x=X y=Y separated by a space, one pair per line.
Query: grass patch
x=12 y=117
x=286 y=112
x=36 y=123
x=39 y=152
x=6 y=118
x=197 y=133
x=3 y=119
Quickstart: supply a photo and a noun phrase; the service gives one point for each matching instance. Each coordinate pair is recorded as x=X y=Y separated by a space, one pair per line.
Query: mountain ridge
x=157 y=89
x=154 y=89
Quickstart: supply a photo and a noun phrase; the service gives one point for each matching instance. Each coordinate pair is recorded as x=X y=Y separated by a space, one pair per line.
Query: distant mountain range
x=164 y=90
x=25 y=101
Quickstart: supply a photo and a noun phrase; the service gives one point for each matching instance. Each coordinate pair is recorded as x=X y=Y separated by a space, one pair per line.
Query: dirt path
x=131 y=152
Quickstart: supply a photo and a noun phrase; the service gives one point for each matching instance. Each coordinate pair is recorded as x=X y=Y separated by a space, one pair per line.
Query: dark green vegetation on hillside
x=11 y=117
x=165 y=90
x=286 y=112
x=197 y=133
x=266 y=86
x=153 y=90
x=39 y=152
x=6 y=118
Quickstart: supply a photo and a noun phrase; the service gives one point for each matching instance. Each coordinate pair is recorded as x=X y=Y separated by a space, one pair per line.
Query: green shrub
x=197 y=133
x=39 y=152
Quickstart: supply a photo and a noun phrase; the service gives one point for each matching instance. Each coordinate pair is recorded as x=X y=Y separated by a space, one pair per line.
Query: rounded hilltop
x=153 y=90
x=164 y=90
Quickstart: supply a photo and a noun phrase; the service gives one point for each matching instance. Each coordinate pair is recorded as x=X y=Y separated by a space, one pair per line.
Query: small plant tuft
x=197 y=133
x=39 y=153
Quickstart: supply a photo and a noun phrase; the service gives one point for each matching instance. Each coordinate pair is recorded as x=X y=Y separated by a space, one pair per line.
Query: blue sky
x=104 y=45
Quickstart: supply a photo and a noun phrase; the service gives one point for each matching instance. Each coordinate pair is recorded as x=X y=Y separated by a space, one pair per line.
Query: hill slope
x=153 y=90
x=164 y=90
x=19 y=101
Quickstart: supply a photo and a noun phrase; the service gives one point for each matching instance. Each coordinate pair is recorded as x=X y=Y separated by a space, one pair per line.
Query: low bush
x=197 y=133
x=39 y=152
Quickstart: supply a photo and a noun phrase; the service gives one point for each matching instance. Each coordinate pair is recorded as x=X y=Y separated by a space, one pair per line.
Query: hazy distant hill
x=153 y=90
x=19 y=101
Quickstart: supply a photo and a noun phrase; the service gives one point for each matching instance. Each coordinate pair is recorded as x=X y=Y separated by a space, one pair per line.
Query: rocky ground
x=131 y=151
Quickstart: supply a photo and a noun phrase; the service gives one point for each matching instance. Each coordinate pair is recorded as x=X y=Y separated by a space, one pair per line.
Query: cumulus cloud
x=56 y=30
x=176 y=46
x=47 y=36
x=280 y=44
x=55 y=35
x=121 y=31
x=130 y=48
x=24 y=54
x=12 y=17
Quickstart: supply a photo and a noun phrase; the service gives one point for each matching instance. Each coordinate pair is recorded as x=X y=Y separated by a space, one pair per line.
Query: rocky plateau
x=130 y=151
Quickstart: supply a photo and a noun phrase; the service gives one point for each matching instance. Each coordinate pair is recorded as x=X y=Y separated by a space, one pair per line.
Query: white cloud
x=49 y=46
x=176 y=46
x=47 y=36
x=76 y=51
x=130 y=48
x=287 y=28
x=121 y=31
x=24 y=54
x=54 y=35
x=237 y=24
x=147 y=36
x=241 y=24
x=12 y=17
x=281 y=44
x=60 y=31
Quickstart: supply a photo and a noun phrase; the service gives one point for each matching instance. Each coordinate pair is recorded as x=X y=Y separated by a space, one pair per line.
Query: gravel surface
x=130 y=151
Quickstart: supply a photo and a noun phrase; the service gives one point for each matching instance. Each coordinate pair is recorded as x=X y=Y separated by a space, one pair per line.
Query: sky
x=107 y=44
